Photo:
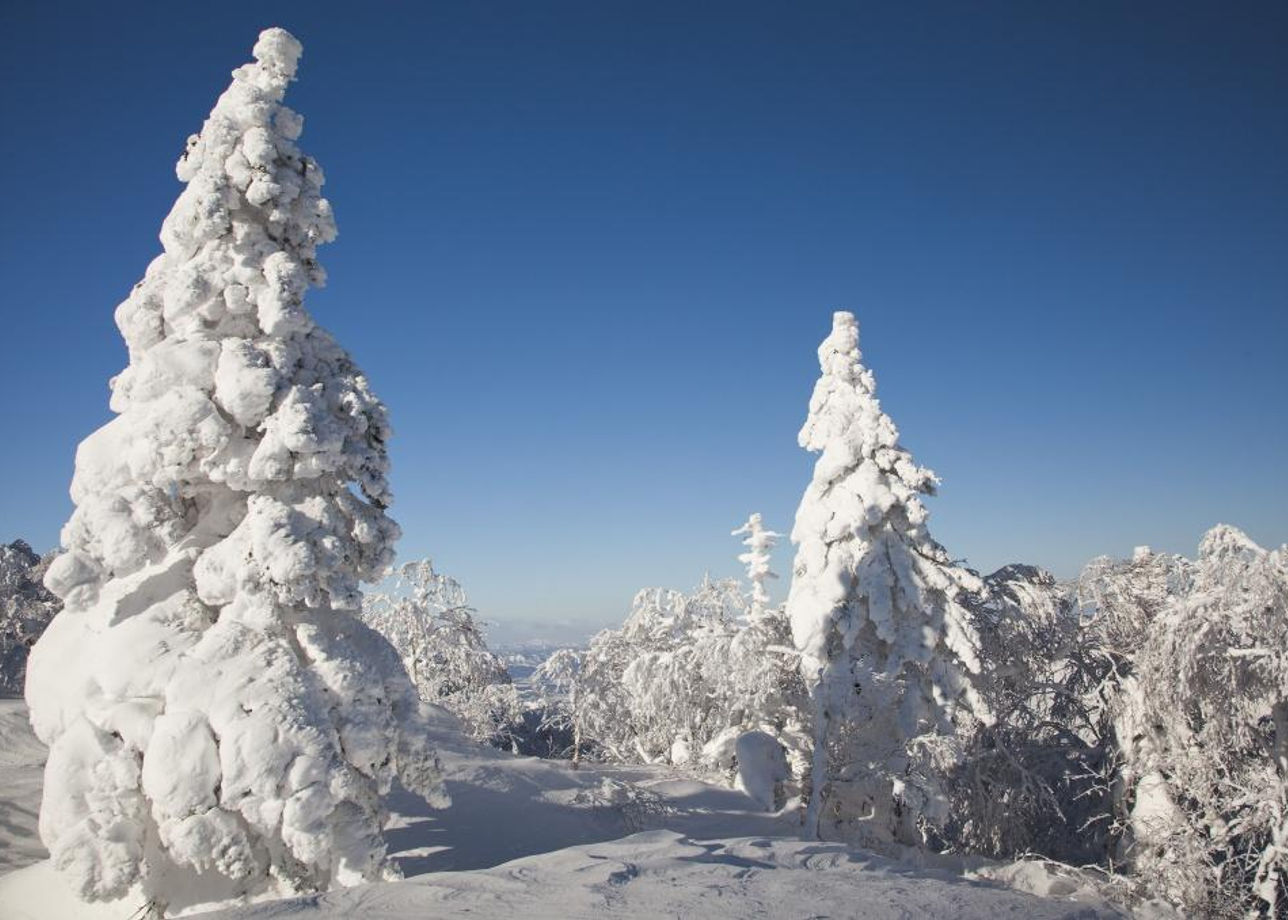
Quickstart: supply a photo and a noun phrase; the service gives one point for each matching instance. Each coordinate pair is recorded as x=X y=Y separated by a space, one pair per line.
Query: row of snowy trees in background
x=687 y=675
x=1136 y=718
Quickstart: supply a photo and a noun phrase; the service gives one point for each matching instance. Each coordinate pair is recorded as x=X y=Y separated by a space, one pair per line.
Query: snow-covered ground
x=536 y=839
x=22 y=764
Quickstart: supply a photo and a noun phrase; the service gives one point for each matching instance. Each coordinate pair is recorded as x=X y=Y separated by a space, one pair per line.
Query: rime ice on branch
x=887 y=648
x=220 y=723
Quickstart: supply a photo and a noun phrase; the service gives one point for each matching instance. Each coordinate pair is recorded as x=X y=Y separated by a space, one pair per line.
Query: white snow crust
x=536 y=839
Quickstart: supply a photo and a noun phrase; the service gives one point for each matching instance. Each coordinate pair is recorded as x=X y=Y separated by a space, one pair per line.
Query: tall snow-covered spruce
x=887 y=648
x=220 y=722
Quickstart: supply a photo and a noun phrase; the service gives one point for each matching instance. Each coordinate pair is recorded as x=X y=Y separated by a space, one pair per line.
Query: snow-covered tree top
x=278 y=51
x=244 y=169
x=861 y=526
x=760 y=543
x=845 y=420
x=231 y=385
x=1228 y=544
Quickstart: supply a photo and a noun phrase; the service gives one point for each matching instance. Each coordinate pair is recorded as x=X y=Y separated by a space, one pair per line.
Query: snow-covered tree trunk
x=220 y=723
x=887 y=647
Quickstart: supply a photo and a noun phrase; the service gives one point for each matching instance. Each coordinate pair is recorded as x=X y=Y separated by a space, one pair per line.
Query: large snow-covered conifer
x=220 y=723
x=887 y=647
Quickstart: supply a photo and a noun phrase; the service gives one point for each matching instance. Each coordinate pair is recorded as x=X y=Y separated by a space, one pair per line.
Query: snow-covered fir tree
x=220 y=722
x=26 y=607
x=760 y=544
x=755 y=673
x=428 y=619
x=876 y=608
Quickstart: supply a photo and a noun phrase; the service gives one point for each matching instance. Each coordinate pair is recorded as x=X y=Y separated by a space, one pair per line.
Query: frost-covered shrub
x=1039 y=778
x=427 y=618
x=877 y=612
x=554 y=713
x=634 y=807
x=221 y=724
x=640 y=688
x=1207 y=774
x=687 y=675
x=1120 y=604
x=1169 y=697
x=26 y=607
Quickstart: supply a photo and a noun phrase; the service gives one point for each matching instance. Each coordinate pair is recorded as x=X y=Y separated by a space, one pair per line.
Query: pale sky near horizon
x=587 y=252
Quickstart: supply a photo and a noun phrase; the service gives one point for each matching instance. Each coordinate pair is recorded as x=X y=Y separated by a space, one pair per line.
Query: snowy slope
x=661 y=873
x=22 y=763
x=537 y=839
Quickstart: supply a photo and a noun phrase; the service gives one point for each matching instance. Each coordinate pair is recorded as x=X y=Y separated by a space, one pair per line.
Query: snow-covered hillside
x=536 y=838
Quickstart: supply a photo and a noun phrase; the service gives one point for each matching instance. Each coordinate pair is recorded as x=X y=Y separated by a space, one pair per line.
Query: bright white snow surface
x=536 y=839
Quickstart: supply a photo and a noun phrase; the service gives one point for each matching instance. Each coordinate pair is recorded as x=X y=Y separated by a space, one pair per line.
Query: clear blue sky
x=587 y=251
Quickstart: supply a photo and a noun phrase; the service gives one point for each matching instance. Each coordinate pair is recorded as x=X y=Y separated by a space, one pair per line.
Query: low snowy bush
x=635 y=807
x=427 y=618
x=762 y=769
x=1207 y=774
x=1141 y=725
x=1037 y=779
x=685 y=676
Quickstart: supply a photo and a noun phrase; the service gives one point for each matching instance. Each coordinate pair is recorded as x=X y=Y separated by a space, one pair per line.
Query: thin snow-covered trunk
x=818 y=763
x=1279 y=718
x=576 y=728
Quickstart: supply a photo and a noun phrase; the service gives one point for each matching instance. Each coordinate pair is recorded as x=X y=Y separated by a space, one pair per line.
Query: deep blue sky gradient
x=587 y=251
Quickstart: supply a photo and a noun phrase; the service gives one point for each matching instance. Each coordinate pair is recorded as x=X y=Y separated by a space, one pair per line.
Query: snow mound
x=762 y=768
